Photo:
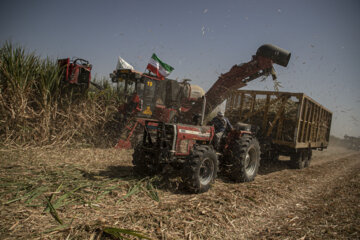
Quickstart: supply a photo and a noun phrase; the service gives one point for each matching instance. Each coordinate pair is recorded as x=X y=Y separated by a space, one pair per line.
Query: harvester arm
x=239 y=75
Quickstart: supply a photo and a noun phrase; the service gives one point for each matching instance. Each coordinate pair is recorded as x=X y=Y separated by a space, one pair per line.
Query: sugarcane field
x=181 y=121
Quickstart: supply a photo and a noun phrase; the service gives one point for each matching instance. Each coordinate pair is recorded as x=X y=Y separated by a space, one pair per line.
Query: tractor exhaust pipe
x=277 y=55
x=203 y=110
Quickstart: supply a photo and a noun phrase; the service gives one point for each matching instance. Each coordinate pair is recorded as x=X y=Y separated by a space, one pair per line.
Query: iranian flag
x=158 y=67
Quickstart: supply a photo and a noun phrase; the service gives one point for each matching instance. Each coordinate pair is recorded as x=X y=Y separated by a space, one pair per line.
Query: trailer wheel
x=201 y=170
x=270 y=156
x=275 y=157
x=245 y=158
x=308 y=158
x=298 y=160
x=141 y=166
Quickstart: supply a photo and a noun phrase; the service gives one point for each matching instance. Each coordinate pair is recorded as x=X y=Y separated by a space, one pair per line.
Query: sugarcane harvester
x=147 y=97
x=76 y=72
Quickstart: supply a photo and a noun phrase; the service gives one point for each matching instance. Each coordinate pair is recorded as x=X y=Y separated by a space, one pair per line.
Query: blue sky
x=202 y=39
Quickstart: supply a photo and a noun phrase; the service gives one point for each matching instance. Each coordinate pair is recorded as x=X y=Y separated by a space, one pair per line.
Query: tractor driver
x=222 y=125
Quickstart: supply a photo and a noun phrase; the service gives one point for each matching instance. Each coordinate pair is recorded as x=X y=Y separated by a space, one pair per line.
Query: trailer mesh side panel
x=291 y=119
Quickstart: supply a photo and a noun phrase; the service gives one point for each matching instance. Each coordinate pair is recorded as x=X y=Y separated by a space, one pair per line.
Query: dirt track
x=320 y=202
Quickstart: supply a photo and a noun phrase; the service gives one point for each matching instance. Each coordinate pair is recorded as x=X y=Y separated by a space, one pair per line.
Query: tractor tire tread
x=190 y=172
x=240 y=148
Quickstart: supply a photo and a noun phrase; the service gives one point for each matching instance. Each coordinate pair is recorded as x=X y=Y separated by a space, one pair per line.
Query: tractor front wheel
x=201 y=169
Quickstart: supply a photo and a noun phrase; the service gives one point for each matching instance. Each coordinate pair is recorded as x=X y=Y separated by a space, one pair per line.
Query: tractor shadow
x=118 y=171
x=170 y=180
x=112 y=172
x=167 y=181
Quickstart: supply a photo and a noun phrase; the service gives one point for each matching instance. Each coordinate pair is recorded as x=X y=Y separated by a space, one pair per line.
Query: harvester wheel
x=245 y=158
x=141 y=166
x=201 y=169
x=298 y=160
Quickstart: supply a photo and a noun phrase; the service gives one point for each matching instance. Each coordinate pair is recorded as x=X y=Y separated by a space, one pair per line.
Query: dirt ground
x=76 y=193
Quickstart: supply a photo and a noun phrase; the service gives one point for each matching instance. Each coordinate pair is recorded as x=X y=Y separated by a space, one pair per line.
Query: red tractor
x=189 y=148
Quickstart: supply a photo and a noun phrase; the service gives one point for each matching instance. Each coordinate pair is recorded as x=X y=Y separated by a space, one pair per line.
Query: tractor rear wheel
x=245 y=159
x=201 y=169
